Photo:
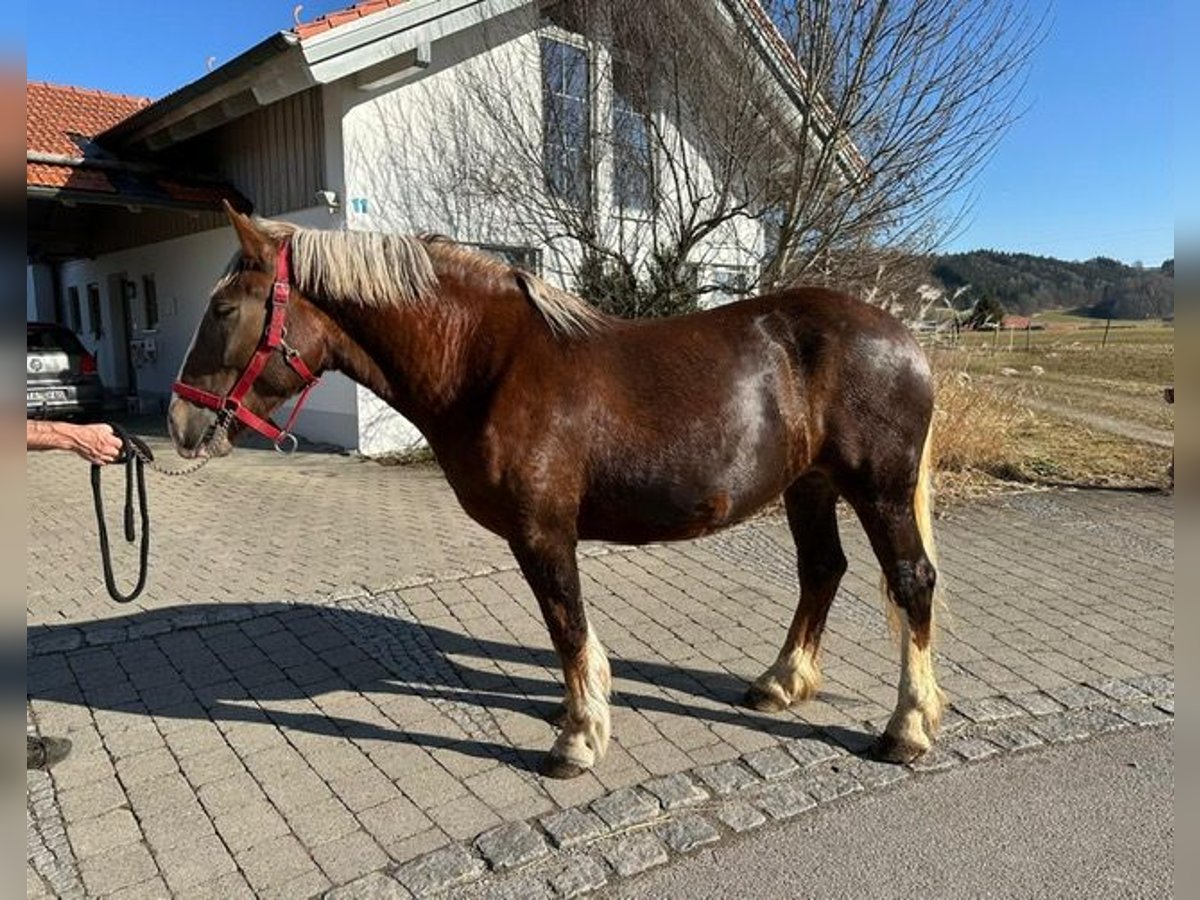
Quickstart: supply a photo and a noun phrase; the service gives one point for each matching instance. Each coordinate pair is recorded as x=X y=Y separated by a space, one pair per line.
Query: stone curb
x=582 y=849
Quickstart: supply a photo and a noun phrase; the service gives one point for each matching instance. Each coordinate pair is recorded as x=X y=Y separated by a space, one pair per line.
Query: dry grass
x=1002 y=422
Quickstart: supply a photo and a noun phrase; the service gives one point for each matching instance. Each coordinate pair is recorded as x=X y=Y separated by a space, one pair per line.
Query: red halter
x=229 y=406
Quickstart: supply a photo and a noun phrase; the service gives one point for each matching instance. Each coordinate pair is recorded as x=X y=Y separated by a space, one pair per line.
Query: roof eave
x=226 y=93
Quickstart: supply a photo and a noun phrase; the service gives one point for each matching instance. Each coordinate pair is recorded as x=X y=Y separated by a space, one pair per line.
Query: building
x=334 y=123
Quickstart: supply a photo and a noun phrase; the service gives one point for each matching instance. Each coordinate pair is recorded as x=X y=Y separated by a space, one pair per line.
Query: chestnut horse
x=555 y=423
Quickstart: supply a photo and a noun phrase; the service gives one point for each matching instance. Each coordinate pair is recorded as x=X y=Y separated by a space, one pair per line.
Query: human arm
x=95 y=443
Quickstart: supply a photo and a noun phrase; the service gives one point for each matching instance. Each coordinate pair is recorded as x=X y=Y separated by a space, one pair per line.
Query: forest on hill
x=1024 y=284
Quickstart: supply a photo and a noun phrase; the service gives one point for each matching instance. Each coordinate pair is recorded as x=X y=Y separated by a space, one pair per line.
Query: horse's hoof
x=894 y=750
x=556 y=767
x=764 y=701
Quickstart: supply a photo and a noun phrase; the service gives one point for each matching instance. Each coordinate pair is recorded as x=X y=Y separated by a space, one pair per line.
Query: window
x=566 y=120
x=727 y=283
x=74 y=313
x=633 y=161
x=527 y=258
x=150 y=303
x=93 y=300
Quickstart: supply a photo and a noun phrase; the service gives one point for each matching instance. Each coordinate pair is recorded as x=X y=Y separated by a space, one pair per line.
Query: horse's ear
x=255 y=244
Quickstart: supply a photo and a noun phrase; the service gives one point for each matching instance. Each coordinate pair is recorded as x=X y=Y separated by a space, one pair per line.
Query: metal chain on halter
x=191 y=468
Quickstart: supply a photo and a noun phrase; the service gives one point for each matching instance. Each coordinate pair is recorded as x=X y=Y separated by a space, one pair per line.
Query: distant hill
x=1026 y=284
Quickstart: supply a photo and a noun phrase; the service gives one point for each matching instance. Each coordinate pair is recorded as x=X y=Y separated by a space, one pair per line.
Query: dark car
x=61 y=378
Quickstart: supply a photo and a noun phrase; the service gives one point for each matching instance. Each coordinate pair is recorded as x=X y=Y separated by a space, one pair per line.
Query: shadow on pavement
x=259 y=656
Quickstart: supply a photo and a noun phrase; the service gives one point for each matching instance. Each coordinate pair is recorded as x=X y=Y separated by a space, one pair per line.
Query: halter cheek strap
x=230 y=405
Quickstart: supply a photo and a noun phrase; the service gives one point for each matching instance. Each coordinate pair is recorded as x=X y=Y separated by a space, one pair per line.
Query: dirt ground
x=1070 y=404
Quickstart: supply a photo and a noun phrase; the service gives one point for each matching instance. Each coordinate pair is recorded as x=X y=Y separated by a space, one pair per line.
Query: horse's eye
x=224 y=310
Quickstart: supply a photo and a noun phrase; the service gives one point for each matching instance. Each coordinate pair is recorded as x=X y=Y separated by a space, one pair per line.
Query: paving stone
x=630 y=854
x=739 y=815
x=109 y=872
x=437 y=871
x=685 y=833
x=375 y=886
x=771 y=763
x=727 y=778
x=275 y=862
x=1059 y=728
x=952 y=722
x=195 y=862
x=1076 y=696
x=1037 y=703
x=830 y=784
x=1012 y=738
x=572 y=827
x=1153 y=685
x=810 y=751
x=1118 y=690
x=349 y=856
x=972 y=749
x=784 y=800
x=104 y=833
x=988 y=709
x=511 y=845
x=514 y=887
x=1167 y=706
x=871 y=773
x=676 y=791
x=625 y=807
x=1143 y=714
x=576 y=876
x=935 y=759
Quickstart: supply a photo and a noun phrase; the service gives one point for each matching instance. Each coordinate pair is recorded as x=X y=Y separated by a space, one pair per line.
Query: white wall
x=39 y=293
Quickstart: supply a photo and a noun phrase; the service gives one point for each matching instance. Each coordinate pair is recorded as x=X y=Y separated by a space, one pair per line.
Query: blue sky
x=1086 y=172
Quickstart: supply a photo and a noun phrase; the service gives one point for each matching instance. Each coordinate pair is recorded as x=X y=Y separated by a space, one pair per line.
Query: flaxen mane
x=386 y=269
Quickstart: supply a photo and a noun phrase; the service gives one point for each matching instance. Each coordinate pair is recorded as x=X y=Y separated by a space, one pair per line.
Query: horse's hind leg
x=895 y=529
x=547 y=560
x=811 y=504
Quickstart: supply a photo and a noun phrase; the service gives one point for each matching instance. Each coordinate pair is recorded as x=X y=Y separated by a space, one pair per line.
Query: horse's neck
x=427 y=358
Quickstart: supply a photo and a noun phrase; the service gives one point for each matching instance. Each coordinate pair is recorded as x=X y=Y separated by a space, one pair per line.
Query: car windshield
x=53 y=340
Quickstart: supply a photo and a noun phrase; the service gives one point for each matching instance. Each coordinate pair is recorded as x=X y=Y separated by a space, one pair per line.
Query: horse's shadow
x=306 y=651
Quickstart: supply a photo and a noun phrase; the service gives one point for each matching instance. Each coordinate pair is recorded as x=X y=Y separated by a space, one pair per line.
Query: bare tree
x=907 y=101
x=655 y=147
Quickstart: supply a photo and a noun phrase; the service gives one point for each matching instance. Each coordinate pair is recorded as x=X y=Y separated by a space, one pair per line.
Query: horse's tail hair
x=923 y=510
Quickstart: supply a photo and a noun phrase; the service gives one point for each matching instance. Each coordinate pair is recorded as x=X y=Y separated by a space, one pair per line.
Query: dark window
x=566 y=120
x=150 y=299
x=93 y=292
x=728 y=283
x=74 y=313
x=633 y=169
x=526 y=258
x=53 y=340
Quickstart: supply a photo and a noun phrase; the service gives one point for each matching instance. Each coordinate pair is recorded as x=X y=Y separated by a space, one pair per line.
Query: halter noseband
x=229 y=406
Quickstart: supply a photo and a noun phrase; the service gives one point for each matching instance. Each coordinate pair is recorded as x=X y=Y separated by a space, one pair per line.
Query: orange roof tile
x=332 y=20
x=62 y=119
x=69 y=177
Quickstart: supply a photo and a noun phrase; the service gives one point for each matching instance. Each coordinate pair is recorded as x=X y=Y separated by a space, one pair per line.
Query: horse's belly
x=669 y=512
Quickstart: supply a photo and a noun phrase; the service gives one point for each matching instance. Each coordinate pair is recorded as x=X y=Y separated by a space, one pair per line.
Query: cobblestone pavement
x=336 y=681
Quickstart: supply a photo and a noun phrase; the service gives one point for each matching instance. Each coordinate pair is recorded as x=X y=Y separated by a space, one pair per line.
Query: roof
x=63 y=120
x=62 y=156
x=332 y=20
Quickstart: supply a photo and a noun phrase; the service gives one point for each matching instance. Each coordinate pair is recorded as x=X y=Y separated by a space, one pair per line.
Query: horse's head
x=258 y=344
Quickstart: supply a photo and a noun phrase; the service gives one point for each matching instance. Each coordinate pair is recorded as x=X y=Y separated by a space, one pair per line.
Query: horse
x=555 y=423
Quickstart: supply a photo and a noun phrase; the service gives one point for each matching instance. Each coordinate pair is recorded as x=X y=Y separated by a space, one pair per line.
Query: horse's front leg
x=547 y=559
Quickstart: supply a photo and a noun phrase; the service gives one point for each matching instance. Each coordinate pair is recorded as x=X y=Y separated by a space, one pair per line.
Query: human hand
x=97 y=443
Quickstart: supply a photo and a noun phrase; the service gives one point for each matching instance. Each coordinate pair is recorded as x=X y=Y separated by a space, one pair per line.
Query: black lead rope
x=135 y=454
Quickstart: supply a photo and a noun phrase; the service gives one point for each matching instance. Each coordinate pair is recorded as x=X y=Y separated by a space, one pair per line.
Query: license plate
x=44 y=396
